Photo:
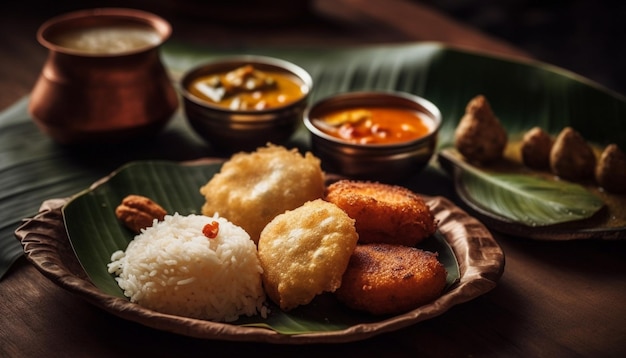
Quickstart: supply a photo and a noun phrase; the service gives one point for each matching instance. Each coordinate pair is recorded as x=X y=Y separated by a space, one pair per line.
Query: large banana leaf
x=530 y=200
x=33 y=169
x=514 y=199
x=527 y=199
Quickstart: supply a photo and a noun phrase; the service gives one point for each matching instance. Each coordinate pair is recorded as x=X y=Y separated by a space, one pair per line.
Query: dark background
x=587 y=37
x=584 y=36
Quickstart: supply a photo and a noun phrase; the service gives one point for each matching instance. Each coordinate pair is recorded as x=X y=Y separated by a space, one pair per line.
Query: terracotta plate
x=474 y=260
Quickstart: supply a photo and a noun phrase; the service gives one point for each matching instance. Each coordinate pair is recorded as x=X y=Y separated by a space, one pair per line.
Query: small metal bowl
x=229 y=130
x=378 y=162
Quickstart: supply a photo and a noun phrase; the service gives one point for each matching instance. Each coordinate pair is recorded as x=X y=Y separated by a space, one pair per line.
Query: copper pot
x=99 y=88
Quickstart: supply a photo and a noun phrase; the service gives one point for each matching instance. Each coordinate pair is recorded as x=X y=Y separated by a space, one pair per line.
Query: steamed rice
x=172 y=267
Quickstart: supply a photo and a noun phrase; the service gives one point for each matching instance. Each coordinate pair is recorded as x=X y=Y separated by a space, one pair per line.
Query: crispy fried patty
x=384 y=213
x=391 y=279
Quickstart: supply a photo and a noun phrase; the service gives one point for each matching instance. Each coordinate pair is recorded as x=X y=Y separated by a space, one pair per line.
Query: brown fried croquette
x=610 y=171
x=384 y=213
x=391 y=279
x=536 y=147
x=304 y=252
x=480 y=136
x=571 y=157
x=252 y=188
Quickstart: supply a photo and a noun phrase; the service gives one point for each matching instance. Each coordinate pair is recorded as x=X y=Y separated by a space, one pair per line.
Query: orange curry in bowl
x=247 y=88
x=374 y=125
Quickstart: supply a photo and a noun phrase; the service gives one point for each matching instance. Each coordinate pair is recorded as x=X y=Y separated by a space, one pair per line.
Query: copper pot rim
x=105 y=15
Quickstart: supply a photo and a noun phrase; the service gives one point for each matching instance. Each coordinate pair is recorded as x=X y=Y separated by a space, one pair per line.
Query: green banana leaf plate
x=472 y=258
x=513 y=199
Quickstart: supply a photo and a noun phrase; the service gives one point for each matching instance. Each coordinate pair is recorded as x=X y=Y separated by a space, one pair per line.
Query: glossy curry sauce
x=247 y=89
x=374 y=125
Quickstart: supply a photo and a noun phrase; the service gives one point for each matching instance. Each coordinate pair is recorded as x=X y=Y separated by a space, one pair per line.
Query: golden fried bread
x=384 y=213
x=391 y=279
x=252 y=188
x=304 y=252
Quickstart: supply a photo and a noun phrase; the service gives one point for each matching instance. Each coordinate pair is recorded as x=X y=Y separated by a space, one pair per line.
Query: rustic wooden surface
x=555 y=299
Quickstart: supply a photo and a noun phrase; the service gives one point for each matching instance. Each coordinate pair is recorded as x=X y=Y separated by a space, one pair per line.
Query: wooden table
x=554 y=299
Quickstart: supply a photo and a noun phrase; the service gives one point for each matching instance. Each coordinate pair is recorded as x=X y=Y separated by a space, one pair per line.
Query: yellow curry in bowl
x=247 y=88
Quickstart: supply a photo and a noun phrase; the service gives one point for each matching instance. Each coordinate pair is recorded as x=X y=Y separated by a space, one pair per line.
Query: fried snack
x=391 y=279
x=480 y=136
x=571 y=157
x=252 y=188
x=304 y=252
x=536 y=146
x=611 y=170
x=384 y=213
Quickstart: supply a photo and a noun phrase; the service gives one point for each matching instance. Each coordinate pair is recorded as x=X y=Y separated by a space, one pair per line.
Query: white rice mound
x=172 y=267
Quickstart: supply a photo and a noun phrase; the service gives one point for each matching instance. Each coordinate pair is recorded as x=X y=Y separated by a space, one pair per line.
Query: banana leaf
x=516 y=200
x=526 y=199
x=522 y=94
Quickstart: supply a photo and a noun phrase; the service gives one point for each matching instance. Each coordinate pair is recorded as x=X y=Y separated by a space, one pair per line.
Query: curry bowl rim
x=427 y=107
x=223 y=62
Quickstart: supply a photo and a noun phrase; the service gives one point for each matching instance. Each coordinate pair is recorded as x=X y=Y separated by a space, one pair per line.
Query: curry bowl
x=243 y=102
x=382 y=136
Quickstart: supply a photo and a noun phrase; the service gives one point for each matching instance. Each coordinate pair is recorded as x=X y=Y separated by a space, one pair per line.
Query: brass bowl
x=229 y=130
x=102 y=94
x=391 y=163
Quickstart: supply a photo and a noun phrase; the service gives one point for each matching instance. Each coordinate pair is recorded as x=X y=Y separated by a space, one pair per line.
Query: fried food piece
x=384 y=213
x=611 y=170
x=480 y=136
x=571 y=157
x=304 y=252
x=252 y=188
x=391 y=279
x=536 y=146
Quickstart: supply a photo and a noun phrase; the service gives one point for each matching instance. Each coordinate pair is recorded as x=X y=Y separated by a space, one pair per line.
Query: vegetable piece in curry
x=247 y=88
x=373 y=125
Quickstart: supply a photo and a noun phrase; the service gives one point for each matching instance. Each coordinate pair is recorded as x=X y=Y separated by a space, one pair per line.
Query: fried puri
x=252 y=188
x=391 y=279
x=384 y=213
x=304 y=252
